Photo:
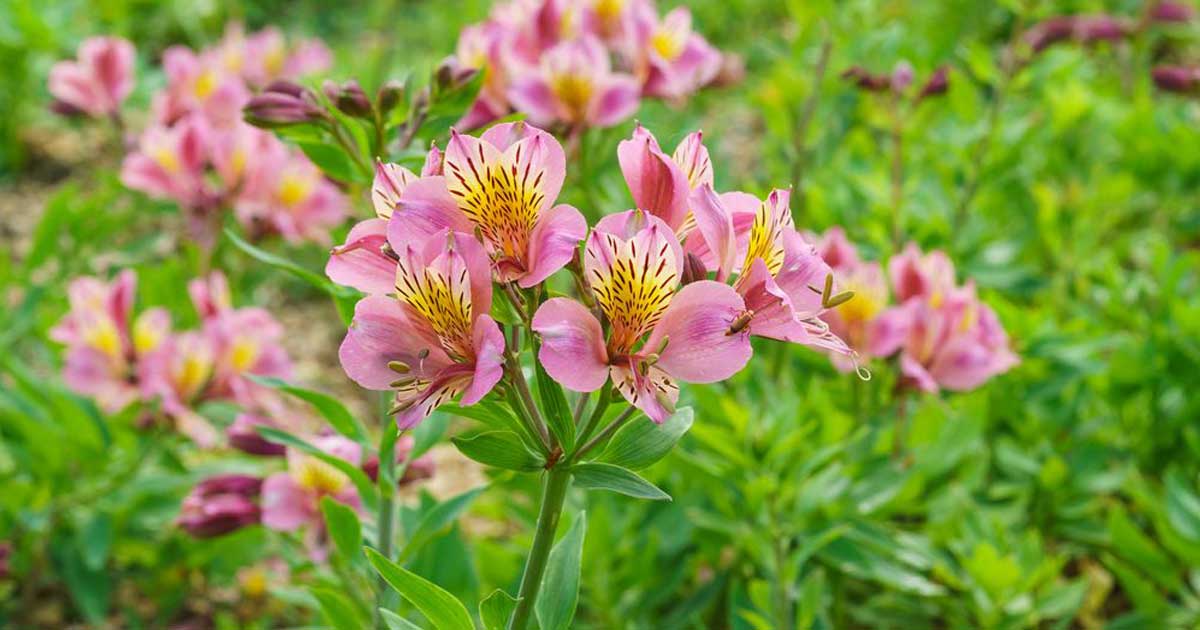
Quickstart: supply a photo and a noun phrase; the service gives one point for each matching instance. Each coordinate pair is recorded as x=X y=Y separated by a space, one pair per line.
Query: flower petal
x=657 y=184
x=489 y=360
x=360 y=262
x=285 y=505
x=554 y=241
x=382 y=332
x=572 y=350
x=701 y=348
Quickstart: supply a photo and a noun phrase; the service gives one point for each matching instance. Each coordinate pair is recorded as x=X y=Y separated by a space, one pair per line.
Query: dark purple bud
x=244 y=436
x=902 y=77
x=693 y=269
x=1172 y=12
x=451 y=74
x=220 y=505
x=286 y=87
x=1099 y=28
x=865 y=80
x=65 y=109
x=1177 y=79
x=937 y=84
x=278 y=109
x=348 y=97
x=389 y=96
x=417 y=470
x=1048 y=32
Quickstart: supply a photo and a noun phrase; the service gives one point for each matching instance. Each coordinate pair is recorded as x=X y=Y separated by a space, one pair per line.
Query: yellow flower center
x=294 y=190
x=502 y=197
x=243 y=354
x=167 y=159
x=766 y=240
x=668 y=43
x=274 y=59
x=318 y=476
x=205 y=84
x=574 y=91
x=864 y=306
x=103 y=336
x=635 y=291
x=146 y=336
x=444 y=302
x=609 y=10
x=193 y=373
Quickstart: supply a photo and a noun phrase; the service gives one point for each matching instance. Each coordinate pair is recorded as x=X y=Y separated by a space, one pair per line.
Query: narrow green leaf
x=641 y=442
x=428 y=433
x=332 y=160
x=362 y=483
x=555 y=408
x=337 y=609
x=495 y=609
x=560 y=587
x=396 y=622
x=330 y=408
x=442 y=609
x=344 y=528
x=96 y=540
x=600 y=476
x=1183 y=506
x=501 y=449
x=437 y=519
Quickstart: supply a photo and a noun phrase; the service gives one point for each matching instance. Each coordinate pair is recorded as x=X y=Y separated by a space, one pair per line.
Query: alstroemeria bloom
x=220 y=505
x=662 y=184
x=99 y=80
x=480 y=48
x=292 y=500
x=632 y=264
x=505 y=183
x=672 y=60
x=201 y=84
x=865 y=322
x=286 y=193
x=103 y=349
x=956 y=344
x=574 y=84
x=178 y=375
x=169 y=163
x=915 y=275
x=435 y=340
x=362 y=261
x=264 y=56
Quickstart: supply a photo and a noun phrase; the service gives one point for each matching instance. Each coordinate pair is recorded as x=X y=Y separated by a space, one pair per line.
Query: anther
x=399 y=367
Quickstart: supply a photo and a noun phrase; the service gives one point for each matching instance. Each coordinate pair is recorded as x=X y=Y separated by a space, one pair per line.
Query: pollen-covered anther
x=399 y=367
x=740 y=323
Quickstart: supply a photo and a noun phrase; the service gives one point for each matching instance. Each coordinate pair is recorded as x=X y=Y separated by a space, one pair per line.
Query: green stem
x=597 y=413
x=522 y=387
x=608 y=430
x=387 y=514
x=554 y=492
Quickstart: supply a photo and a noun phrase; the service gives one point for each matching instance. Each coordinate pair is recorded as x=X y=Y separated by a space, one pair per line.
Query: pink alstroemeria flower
x=574 y=84
x=178 y=375
x=662 y=184
x=481 y=47
x=632 y=264
x=103 y=349
x=100 y=78
x=957 y=344
x=220 y=505
x=434 y=340
x=169 y=163
x=865 y=322
x=265 y=56
x=292 y=500
x=672 y=60
x=366 y=261
x=915 y=275
x=287 y=194
x=505 y=183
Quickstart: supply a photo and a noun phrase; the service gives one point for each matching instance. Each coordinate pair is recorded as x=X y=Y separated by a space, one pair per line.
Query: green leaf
x=96 y=540
x=1183 y=506
x=495 y=609
x=437 y=519
x=642 y=442
x=442 y=609
x=330 y=408
x=560 y=587
x=344 y=529
x=337 y=609
x=332 y=160
x=427 y=434
x=362 y=483
x=555 y=408
x=501 y=449
x=396 y=622
x=1131 y=544
x=599 y=476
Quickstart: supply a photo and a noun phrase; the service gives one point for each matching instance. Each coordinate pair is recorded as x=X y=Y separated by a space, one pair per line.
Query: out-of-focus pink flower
x=177 y=374
x=902 y=76
x=285 y=193
x=574 y=84
x=200 y=84
x=957 y=344
x=421 y=468
x=100 y=78
x=504 y=183
x=169 y=163
x=836 y=250
x=481 y=48
x=914 y=274
x=292 y=500
x=866 y=323
x=1167 y=11
x=104 y=344
x=1177 y=79
x=632 y=263
x=244 y=436
x=436 y=340
x=246 y=341
x=220 y=505
x=673 y=61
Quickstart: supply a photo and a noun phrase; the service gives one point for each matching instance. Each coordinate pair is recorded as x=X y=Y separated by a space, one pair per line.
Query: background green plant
x=1063 y=494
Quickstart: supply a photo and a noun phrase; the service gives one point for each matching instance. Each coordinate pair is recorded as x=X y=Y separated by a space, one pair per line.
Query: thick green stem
x=554 y=492
x=387 y=511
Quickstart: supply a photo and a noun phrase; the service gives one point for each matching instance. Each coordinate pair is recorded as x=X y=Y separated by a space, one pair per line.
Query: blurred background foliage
x=1061 y=495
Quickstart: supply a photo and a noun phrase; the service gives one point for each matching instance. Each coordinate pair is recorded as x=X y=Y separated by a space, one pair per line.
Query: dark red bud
x=279 y=109
x=219 y=505
x=1048 y=32
x=243 y=436
x=65 y=109
x=937 y=84
x=1167 y=12
x=1177 y=79
x=389 y=96
x=1099 y=28
x=865 y=80
x=693 y=269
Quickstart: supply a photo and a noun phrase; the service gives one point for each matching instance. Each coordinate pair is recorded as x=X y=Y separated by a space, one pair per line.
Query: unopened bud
x=389 y=96
x=451 y=74
x=902 y=77
x=1172 y=12
x=693 y=269
x=862 y=78
x=290 y=88
x=1099 y=28
x=937 y=84
x=348 y=97
x=219 y=505
x=244 y=436
x=1048 y=32
x=1177 y=79
x=279 y=109
x=65 y=109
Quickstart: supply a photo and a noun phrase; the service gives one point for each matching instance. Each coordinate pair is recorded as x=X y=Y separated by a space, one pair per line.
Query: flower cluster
x=289 y=500
x=196 y=150
x=581 y=62
x=482 y=219
x=118 y=358
x=945 y=336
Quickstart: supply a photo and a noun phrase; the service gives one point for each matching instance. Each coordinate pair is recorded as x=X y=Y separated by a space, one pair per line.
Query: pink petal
x=646 y=391
x=388 y=186
x=488 y=342
x=381 y=332
x=360 y=262
x=886 y=333
x=700 y=349
x=692 y=156
x=532 y=95
x=617 y=101
x=716 y=227
x=425 y=209
x=657 y=184
x=537 y=151
x=572 y=350
x=285 y=505
x=553 y=243
x=916 y=374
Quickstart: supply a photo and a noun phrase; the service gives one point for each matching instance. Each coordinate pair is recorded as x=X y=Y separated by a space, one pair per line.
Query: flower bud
x=1048 y=32
x=902 y=77
x=693 y=269
x=280 y=109
x=860 y=77
x=937 y=84
x=220 y=505
x=243 y=436
x=1166 y=12
x=286 y=87
x=389 y=96
x=1099 y=28
x=5 y=552
x=1177 y=79
x=451 y=74
x=417 y=470
x=348 y=97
